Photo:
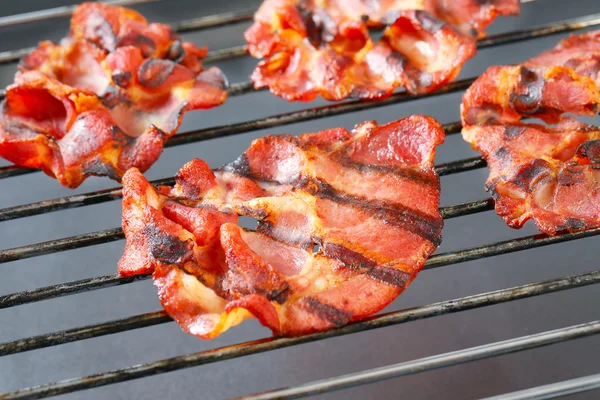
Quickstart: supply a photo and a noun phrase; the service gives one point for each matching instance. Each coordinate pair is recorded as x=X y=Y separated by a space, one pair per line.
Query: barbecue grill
x=69 y=314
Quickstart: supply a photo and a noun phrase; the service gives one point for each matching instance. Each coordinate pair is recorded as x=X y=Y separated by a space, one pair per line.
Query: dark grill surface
x=503 y=311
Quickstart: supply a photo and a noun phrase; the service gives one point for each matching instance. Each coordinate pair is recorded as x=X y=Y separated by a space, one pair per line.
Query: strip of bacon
x=346 y=221
x=314 y=47
x=106 y=98
x=544 y=172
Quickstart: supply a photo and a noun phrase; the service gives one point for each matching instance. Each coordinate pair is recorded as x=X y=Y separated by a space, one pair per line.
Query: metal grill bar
x=196 y=24
x=342 y=108
x=445 y=307
x=264 y=345
x=214 y=21
x=58 y=12
x=434 y=362
x=280 y=120
x=435 y=261
x=438 y=260
x=101 y=196
x=553 y=390
x=112 y=235
x=569 y=25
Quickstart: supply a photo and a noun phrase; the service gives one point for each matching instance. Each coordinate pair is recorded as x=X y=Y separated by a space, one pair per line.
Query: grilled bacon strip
x=547 y=172
x=346 y=220
x=106 y=98
x=324 y=47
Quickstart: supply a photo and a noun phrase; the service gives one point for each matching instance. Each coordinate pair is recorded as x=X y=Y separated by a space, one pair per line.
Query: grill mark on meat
x=419 y=223
x=241 y=166
x=423 y=225
x=406 y=173
x=391 y=276
x=326 y=312
x=349 y=257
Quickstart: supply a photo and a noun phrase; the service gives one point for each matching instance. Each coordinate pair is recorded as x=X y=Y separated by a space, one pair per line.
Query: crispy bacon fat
x=346 y=220
x=546 y=172
x=106 y=98
x=324 y=47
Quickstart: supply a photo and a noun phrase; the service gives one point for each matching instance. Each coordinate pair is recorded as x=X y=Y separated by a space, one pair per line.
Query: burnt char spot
x=483 y=115
x=166 y=248
x=501 y=153
x=104 y=37
x=113 y=97
x=321 y=28
x=570 y=175
x=574 y=223
x=238 y=283
x=120 y=137
x=490 y=187
x=589 y=150
x=99 y=168
x=395 y=60
x=122 y=79
x=144 y=43
x=281 y=295
x=512 y=131
x=153 y=72
x=357 y=261
x=24 y=132
x=176 y=51
x=530 y=172
x=527 y=96
x=326 y=312
x=423 y=225
x=428 y=22
x=241 y=166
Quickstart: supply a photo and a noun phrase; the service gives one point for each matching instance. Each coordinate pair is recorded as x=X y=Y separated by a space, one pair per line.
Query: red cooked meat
x=324 y=47
x=549 y=170
x=106 y=98
x=346 y=221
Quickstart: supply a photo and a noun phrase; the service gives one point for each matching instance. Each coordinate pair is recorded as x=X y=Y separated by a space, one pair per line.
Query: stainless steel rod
x=553 y=390
x=58 y=12
x=264 y=345
x=430 y=363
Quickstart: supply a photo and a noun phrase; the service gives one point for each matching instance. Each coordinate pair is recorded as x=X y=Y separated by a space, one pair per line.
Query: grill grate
x=259 y=346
